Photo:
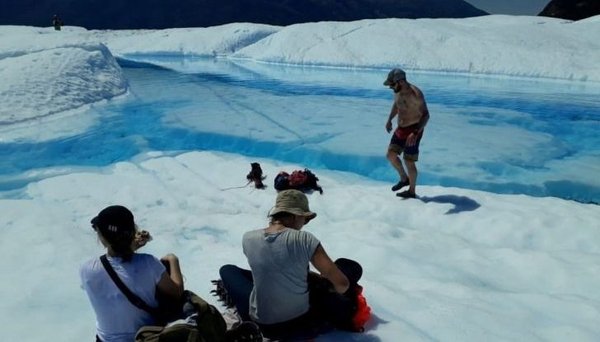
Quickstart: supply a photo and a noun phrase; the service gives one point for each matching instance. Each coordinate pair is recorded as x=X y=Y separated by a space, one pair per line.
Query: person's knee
x=351 y=269
x=410 y=159
x=391 y=155
x=226 y=270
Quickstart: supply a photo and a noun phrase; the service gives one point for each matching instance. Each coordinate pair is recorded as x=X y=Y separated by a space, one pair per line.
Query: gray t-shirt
x=279 y=264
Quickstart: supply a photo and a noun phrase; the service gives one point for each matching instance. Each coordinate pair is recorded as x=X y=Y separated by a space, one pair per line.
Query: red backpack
x=297 y=179
x=363 y=311
x=303 y=180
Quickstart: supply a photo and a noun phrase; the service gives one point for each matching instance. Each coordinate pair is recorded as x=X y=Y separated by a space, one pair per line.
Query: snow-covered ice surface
x=79 y=132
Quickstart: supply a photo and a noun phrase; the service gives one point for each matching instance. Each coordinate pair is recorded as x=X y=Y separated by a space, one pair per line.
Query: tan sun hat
x=293 y=202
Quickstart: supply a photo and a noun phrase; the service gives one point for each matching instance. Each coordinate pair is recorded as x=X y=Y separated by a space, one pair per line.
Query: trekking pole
x=236 y=187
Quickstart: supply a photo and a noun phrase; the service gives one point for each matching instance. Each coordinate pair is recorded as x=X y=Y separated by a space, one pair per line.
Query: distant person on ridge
x=411 y=109
x=57 y=22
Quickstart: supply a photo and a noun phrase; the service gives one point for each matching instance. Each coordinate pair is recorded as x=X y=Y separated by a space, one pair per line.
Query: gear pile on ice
x=303 y=180
x=256 y=175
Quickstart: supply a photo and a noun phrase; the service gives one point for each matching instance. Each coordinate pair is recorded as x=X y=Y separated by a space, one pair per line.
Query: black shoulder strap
x=132 y=297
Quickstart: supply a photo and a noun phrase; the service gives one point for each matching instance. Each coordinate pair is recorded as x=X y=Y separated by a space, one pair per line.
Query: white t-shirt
x=117 y=320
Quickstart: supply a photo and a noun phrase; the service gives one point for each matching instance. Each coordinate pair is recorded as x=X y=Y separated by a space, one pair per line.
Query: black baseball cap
x=115 y=219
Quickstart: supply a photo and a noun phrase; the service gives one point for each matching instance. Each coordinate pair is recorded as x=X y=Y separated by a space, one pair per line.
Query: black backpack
x=206 y=324
x=191 y=320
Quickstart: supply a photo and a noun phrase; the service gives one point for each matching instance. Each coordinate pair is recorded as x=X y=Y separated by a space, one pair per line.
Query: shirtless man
x=411 y=109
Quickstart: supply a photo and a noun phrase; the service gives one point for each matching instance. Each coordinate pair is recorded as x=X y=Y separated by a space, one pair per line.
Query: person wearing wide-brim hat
x=275 y=293
x=117 y=319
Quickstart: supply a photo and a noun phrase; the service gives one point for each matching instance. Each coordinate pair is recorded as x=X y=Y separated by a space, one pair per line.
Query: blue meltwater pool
x=537 y=137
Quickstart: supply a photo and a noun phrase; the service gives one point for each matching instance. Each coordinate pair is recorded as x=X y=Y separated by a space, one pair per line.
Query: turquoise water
x=505 y=135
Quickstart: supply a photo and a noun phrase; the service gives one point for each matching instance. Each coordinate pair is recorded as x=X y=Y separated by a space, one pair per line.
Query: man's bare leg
x=392 y=156
x=411 y=166
x=394 y=159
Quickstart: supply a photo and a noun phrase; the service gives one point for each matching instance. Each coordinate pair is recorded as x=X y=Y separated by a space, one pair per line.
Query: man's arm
x=423 y=121
x=423 y=109
x=411 y=140
x=393 y=113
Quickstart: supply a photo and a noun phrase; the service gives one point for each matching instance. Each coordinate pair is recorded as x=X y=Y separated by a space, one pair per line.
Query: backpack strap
x=132 y=297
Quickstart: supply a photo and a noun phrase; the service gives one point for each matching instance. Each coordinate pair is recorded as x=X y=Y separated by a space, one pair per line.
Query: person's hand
x=388 y=126
x=411 y=140
x=141 y=238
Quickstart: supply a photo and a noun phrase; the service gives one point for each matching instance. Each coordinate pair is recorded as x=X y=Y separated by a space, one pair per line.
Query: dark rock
x=571 y=9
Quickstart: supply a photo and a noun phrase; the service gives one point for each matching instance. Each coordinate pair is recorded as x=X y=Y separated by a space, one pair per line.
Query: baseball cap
x=115 y=219
x=394 y=76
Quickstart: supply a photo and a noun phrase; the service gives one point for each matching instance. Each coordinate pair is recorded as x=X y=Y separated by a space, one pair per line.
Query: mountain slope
x=135 y=14
x=571 y=9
